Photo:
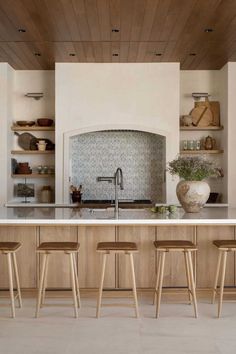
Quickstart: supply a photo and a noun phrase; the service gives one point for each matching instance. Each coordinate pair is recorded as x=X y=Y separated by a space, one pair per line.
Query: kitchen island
x=31 y=226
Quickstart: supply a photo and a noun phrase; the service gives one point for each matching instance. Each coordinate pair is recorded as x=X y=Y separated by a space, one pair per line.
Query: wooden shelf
x=200 y=152
x=17 y=128
x=33 y=175
x=201 y=128
x=32 y=152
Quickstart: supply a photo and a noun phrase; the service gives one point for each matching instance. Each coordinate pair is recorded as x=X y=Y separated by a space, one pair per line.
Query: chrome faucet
x=118 y=181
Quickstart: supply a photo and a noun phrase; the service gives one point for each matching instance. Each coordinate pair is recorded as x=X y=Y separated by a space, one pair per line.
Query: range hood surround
x=97 y=97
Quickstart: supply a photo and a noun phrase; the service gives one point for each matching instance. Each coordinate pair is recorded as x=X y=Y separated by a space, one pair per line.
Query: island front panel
x=118 y=271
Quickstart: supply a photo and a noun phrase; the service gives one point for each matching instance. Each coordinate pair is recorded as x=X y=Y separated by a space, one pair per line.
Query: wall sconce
x=35 y=95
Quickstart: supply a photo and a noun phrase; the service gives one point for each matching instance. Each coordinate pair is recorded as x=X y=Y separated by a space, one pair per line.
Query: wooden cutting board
x=215 y=108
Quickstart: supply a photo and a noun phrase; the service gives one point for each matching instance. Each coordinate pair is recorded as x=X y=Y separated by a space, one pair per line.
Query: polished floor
x=117 y=331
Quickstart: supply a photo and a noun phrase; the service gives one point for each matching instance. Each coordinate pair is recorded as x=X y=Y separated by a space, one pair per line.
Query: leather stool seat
x=225 y=243
x=9 y=246
x=174 y=244
x=117 y=246
x=59 y=246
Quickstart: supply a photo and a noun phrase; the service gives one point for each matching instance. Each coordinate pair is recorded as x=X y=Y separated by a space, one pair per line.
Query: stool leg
x=134 y=284
x=157 y=279
x=101 y=284
x=41 y=285
x=222 y=283
x=162 y=264
x=45 y=281
x=188 y=278
x=17 y=279
x=73 y=284
x=76 y=281
x=193 y=288
x=216 y=277
x=11 y=284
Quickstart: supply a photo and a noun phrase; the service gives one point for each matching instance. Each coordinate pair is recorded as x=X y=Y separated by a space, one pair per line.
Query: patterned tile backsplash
x=141 y=156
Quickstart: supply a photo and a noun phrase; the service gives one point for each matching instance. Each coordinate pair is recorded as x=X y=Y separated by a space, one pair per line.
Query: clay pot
x=192 y=195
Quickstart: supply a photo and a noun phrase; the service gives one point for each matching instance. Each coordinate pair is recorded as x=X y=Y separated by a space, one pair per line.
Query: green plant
x=194 y=168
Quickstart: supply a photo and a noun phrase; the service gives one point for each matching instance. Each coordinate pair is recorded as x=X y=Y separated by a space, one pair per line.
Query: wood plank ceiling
x=132 y=31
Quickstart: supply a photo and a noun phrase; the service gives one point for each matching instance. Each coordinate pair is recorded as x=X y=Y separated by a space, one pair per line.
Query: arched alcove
x=140 y=153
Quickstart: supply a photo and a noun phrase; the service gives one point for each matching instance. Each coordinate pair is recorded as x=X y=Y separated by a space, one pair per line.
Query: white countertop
x=76 y=216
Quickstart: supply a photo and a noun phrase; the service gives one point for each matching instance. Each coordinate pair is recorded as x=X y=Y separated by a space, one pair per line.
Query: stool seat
x=225 y=243
x=9 y=246
x=59 y=246
x=174 y=244
x=117 y=246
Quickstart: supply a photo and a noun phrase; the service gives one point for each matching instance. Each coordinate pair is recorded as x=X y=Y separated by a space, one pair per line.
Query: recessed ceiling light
x=37 y=54
x=72 y=54
x=208 y=30
x=158 y=54
x=192 y=54
x=115 y=54
x=21 y=30
x=115 y=30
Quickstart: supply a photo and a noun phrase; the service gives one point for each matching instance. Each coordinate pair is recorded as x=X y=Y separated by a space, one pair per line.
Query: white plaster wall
x=116 y=96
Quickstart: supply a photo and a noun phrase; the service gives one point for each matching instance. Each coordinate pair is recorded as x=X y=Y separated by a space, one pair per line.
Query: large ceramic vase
x=192 y=195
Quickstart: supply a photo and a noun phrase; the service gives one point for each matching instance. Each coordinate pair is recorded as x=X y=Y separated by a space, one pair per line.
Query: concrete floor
x=117 y=331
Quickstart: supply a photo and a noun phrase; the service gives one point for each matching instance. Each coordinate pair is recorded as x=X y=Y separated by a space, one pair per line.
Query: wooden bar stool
x=128 y=248
x=68 y=248
x=224 y=246
x=9 y=249
x=175 y=246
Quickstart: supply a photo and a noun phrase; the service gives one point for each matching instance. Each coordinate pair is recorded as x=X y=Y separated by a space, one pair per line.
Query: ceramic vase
x=192 y=195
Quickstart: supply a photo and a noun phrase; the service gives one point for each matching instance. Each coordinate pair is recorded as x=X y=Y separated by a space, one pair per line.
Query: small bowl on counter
x=45 y=122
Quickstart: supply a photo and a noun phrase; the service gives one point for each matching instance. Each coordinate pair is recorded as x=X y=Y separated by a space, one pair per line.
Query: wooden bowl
x=25 y=123
x=45 y=122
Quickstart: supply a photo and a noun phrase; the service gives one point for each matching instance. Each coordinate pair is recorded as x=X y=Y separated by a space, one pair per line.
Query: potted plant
x=192 y=191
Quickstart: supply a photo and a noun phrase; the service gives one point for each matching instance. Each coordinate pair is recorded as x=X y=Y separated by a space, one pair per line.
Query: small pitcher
x=41 y=145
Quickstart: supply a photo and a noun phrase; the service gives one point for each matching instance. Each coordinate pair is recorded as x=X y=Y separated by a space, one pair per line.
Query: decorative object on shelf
x=41 y=145
x=209 y=143
x=45 y=122
x=213 y=198
x=25 y=123
x=35 y=95
x=192 y=191
x=28 y=141
x=14 y=165
x=23 y=168
x=204 y=114
x=186 y=121
x=46 y=194
x=25 y=190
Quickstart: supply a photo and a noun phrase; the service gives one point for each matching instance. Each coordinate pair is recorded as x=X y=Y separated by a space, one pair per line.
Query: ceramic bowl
x=25 y=123
x=45 y=122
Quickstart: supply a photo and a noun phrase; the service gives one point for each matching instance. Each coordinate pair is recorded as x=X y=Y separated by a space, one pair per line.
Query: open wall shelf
x=191 y=128
x=17 y=128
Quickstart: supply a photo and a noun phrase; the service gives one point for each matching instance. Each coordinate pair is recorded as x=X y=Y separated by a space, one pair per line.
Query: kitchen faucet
x=118 y=181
